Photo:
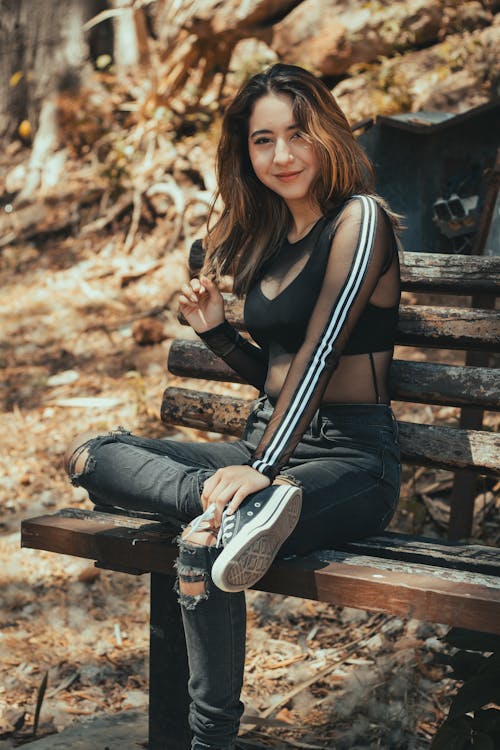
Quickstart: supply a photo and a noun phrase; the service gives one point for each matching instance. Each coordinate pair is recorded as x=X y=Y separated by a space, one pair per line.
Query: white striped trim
x=334 y=326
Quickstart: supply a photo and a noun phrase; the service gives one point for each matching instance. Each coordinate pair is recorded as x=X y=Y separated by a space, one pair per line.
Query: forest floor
x=317 y=676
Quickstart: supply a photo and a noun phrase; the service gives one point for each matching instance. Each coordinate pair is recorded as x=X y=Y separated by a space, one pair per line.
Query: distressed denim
x=348 y=467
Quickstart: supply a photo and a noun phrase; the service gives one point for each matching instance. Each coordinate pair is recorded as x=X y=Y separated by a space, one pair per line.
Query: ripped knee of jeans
x=287 y=478
x=80 y=459
x=193 y=573
x=81 y=462
x=192 y=585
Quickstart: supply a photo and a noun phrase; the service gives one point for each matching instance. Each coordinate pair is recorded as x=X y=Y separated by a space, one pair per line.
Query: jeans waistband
x=354 y=414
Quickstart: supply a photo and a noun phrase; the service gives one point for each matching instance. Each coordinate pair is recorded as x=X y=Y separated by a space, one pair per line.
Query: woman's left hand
x=230 y=486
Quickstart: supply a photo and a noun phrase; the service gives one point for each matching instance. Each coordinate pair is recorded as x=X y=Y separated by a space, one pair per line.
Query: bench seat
x=454 y=584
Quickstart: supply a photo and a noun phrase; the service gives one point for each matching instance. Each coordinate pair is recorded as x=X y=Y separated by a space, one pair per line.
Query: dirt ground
x=317 y=676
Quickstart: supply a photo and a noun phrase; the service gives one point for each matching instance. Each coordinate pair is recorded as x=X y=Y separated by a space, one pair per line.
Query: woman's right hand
x=202 y=304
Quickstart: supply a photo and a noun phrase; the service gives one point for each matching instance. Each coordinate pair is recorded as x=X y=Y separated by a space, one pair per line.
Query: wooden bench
x=453 y=583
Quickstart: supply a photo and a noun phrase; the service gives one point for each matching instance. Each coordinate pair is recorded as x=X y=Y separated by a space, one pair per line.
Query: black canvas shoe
x=252 y=536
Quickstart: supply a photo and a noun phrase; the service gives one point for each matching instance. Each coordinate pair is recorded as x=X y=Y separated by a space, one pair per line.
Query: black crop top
x=320 y=312
x=283 y=319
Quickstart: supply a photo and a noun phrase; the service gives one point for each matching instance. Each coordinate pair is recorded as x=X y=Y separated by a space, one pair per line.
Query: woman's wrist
x=222 y=339
x=213 y=328
x=271 y=472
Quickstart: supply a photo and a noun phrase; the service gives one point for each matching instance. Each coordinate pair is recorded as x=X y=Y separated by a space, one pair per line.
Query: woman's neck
x=302 y=222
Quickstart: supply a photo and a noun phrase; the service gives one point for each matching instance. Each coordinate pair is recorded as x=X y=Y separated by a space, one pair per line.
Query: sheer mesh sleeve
x=362 y=242
x=247 y=360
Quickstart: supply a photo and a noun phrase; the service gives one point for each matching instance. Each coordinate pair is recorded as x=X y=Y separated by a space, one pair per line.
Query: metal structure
x=441 y=172
x=430 y=167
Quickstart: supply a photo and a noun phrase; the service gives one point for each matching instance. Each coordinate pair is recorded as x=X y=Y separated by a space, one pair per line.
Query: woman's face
x=282 y=158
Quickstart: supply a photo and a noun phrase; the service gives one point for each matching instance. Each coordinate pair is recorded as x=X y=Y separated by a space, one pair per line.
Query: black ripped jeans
x=347 y=464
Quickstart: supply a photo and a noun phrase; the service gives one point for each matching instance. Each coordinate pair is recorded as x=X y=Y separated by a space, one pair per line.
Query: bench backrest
x=443 y=326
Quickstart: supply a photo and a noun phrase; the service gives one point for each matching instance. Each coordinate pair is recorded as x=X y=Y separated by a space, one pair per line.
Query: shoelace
x=228 y=524
x=202 y=521
x=226 y=529
x=204 y=518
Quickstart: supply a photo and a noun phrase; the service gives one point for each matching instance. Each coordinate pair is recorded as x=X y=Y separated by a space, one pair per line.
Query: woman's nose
x=282 y=153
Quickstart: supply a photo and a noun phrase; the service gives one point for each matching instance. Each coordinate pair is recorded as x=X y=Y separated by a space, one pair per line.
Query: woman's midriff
x=351 y=383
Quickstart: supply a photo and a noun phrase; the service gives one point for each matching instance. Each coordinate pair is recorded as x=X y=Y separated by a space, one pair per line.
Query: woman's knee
x=77 y=453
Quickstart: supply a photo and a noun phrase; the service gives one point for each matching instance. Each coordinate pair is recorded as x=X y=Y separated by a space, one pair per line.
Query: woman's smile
x=288 y=176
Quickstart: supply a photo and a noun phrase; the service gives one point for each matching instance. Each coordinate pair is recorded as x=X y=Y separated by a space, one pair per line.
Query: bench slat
x=452 y=274
x=423 y=325
x=405 y=590
x=435 y=445
x=458 y=598
x=433 y=272
x=422 y=382
x=474 y=558
x=449 y=327
x=114 y=541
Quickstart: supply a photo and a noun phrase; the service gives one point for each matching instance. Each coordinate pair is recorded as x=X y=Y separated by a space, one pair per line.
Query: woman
x=313 y=252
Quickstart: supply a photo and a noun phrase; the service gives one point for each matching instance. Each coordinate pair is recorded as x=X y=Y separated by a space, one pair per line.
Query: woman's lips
x=288 y=176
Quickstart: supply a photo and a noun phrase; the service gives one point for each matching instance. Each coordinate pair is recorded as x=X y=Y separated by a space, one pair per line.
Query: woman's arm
x=361 y=245
x=202 y=305
x=246 y=359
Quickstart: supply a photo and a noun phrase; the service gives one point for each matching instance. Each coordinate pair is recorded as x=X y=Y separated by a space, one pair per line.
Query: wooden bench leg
x=462 y=504
x=168 y=670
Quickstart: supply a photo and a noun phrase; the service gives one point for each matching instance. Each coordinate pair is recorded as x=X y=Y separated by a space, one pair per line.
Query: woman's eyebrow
x=294 y=126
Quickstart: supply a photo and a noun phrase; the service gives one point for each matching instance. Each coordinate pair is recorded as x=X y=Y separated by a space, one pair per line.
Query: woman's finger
x=184 y=301
x=222 y=493
x=188 y=292
x=197 y=286
x=209 y=486
x=235 y=503
x=208 y=283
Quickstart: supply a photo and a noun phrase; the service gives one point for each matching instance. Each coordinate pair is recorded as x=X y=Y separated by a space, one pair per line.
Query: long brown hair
x=254 y=219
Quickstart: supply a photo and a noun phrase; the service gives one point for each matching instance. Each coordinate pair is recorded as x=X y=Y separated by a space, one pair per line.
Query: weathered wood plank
x=428 y=592
x=192 y=359
x=475 y=558
x=424 y=325
x=434 y=445
x=362 y=582
x=432 y=272
x=449 y=447
x=446 y=385
x=108 y=539
x=448 y=327
x=453 y=274
x=422 y=382
x=204 y=411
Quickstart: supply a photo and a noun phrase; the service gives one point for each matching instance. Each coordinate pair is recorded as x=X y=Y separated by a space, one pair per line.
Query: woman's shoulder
x=358 y=208
x=358 y=203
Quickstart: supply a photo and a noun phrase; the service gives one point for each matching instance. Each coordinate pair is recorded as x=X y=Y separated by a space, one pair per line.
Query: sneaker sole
x=249 y=555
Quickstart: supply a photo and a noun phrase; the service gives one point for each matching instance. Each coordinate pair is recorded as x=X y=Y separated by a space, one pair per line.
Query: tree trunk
x=43 y=48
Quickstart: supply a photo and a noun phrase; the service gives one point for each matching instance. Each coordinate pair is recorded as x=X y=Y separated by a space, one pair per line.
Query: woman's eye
x=262 y=140
x=298 y=134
